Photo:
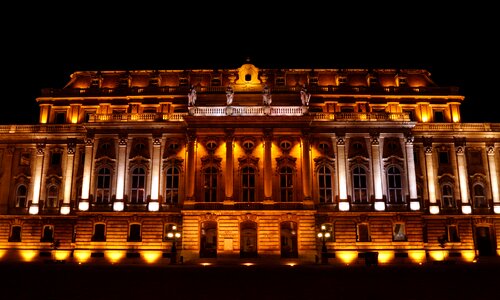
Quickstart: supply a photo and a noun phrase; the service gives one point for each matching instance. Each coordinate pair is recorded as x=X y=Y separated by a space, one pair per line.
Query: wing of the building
x=335 y=165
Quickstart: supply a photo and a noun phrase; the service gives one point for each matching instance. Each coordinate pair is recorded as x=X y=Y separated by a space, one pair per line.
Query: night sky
x=454 y=43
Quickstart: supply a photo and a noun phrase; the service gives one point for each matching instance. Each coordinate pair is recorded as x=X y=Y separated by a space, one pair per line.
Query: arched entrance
x=485 y=241
x=248 y=239
x=208 y=239
x=288 y=237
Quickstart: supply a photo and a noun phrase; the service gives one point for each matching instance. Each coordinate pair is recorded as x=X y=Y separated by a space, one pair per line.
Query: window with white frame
x=447 y=195
x=21 y=193
x=248 y=184
x=394 y=185
x=325 y=182
x=286 y=184
x=363 y=232
x=399 y=232
x=359 y=185
x=172 y=185
x=138 y=188
x=478 y=196
x=210 y=184
x=103 y=188
x=52 y=193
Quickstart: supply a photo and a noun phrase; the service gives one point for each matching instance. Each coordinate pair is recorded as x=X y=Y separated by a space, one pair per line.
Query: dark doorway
x=484 y=241
x=288 y=234
x=208 y=239
x=248 y=239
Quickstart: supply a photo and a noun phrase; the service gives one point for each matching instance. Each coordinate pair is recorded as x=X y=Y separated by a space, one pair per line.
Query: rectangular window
x=135 y=233
x=15 y=234
x=47 y=233
x=453 y=236
x=60 y=118
x=444 y=157
x=99 y=233
x=438 y=116
x=399 y=232
x=55 y=159
x=363 y=233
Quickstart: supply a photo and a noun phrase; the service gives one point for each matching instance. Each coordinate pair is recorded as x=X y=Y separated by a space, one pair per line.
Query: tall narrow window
x=363 y=233
x=394 y=183
x=15 y=233
x=135 y=233
x=360 y=189
x=172 y=185
x=138 y=192
x=286 y=184
x=52 y=197
x=325 y=185
x=21 y=193
x=210 y=184
x=99 y=233
x=453 y=236
x=103 y=190
x=399 y=232
x=447 y=195
x=479 y=198
x=248 y=184
x=47 y=233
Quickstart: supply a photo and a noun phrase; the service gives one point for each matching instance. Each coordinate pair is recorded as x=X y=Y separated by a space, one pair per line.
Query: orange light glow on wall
x=151 y=256
x=114 y=256
x=438 y=255
x=347 y=257
x=417 y=256
x=2 y=253
x=81 y=256
x=62 y=254
x=469 y=255
x=385 y=257
x=28 y=255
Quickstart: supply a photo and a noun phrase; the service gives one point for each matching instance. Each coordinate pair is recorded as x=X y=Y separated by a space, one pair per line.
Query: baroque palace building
x=336 y=164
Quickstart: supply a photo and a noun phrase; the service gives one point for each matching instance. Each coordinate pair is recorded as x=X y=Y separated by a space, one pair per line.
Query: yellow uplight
x=28 y=255
x=385 y=257
x=81 y=256
x=62 y=254
x=151 y=256
x=2 y=253
x=469 y=255
x=347 y=257
x=417 y=256
x=115 y=256
x=439 y=255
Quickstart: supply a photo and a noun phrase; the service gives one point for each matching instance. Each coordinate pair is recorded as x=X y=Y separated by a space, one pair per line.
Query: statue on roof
x=304 y=96
x=229 y=95
x=266 y=95
x=192 y=96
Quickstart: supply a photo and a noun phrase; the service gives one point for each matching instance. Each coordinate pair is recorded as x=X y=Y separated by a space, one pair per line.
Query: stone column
x=229 y=164
x=155 y=173
x=462 y=174
x=410 y=162
x=268 y=176
x=190 y=176
x=68 y=177
x=341 y=167
x=306 y=166
x=37 y=182
x=121 y=163
x=431 y=177
x=494 y=176
x=377 y=168
x=87 y=174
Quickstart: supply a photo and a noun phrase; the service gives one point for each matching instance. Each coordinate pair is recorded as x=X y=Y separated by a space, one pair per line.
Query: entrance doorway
x=248 y=239
x=484 y=241
x=208 y=239
x=288 y=234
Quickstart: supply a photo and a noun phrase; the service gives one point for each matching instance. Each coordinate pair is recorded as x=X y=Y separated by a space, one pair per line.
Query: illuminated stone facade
x=250 y=162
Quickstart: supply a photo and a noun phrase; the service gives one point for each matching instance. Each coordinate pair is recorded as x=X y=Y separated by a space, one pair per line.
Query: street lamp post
x=323 y=235
x=174 y=235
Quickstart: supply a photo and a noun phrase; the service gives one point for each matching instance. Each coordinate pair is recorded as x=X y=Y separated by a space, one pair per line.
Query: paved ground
x=52 y=281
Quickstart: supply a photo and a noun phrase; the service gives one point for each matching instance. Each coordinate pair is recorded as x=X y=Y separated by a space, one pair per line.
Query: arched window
x=325 y=183
x=21 y=193
x=248 y=184
x=172 y=185
x=52 y=197
x=138 y=192
x=447 y=195
x=479 y=197
x=210 y=184
x=286 y=184
x=394 y=185
x=103 y=189
x=359 y=185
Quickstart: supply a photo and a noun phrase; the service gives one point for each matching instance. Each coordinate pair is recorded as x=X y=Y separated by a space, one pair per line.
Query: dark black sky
x=456 y=44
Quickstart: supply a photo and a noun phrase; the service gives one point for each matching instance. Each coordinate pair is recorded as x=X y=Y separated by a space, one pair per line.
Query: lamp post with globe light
x=174 y=235
x=324 y=234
